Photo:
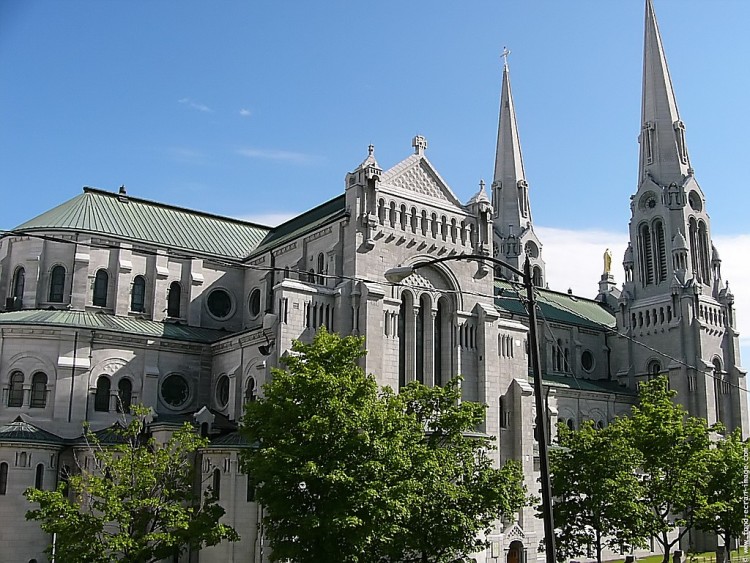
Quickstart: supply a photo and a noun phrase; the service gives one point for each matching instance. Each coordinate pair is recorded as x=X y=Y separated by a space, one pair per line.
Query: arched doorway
x=515 y=552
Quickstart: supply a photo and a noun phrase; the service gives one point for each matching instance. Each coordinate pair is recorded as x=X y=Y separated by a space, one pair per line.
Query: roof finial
x=371 y=149
x=504 y=56
x=122 y=190
x=419 y=143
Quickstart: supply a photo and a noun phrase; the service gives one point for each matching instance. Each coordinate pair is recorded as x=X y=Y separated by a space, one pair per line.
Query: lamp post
x=399 y=273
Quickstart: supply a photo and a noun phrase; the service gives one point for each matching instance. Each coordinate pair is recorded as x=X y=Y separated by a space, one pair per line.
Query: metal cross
x=504 y=55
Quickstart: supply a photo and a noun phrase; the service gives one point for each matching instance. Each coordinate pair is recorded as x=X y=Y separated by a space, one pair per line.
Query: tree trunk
x=598 y=547
x=667 y=547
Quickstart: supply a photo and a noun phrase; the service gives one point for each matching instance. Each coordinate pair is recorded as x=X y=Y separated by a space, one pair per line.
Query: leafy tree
x=137 y=504
x=596 y=492
x=724 y=514
x=351 y=472
x=674 y=454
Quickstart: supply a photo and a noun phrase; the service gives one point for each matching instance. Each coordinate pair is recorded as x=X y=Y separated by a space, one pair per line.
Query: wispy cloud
x=245 y=112
x=195 y=105
x=272 y=154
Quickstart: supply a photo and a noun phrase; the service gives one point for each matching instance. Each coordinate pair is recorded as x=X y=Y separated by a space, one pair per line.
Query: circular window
x=587 y=360
x=648 y=201
x=219 y=303
x=255 y=302
x=175 y=391
x=222 y=391
x=695 y=201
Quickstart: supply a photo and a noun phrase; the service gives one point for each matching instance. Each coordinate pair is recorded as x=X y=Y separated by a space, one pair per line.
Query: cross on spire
x=504 y=56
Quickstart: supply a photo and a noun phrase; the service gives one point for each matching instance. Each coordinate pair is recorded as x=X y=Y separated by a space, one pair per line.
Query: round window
x=587 y=360
x=695 y=201
x=219 y=303
x=175 y=391
x=255 y=302
x=222 y=391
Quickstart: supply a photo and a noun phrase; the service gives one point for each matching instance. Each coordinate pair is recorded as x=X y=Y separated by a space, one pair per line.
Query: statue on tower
x=607 y=262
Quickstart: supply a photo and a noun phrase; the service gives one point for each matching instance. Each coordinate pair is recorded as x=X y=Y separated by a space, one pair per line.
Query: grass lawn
x=705 y=557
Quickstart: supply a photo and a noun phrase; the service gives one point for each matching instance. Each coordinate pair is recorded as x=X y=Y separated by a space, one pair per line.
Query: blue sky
x=258 y=109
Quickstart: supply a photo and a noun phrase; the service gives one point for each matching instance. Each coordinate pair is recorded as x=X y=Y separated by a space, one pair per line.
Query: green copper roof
x=556 y=307
x=20 y=431
x=101 y=212
x=301 y=224
x=100 y=321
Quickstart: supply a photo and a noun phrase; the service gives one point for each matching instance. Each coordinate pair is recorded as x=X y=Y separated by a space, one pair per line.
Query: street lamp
x=399 y=273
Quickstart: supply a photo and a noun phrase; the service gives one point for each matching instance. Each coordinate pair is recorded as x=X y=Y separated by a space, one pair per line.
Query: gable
x=417 y=176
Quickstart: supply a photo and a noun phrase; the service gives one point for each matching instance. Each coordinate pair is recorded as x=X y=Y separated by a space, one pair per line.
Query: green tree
x=724 y=514
x=674 y=454
x=137 y=504
x=351 y=472
x=596 y=492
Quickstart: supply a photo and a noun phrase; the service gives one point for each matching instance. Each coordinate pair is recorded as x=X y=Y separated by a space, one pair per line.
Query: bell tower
x=674 y=304
x=514 y=236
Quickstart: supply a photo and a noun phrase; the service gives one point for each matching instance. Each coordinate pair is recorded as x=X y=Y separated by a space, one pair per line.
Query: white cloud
x=245 y=112
x=195 y=105
x=574 y=259
x=272 y=154
x=268 y=219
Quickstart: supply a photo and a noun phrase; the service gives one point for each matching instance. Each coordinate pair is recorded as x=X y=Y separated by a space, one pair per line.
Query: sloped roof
x=303 y=223
x=555 y=306
x=591 y=385
x=101 y=321
x=21 y=431
x=231 y=440
x=101 y=212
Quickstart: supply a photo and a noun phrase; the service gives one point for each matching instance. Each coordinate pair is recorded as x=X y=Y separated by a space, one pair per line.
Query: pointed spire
x=664 y=157
x=509 y=188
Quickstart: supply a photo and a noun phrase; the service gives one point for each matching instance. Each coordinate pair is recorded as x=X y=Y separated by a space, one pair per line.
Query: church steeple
x=664 y=156
x=509 y=187
x=514 y=232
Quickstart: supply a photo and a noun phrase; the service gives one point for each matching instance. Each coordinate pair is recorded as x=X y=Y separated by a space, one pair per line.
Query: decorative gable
x=515 y=533
x=417 y=175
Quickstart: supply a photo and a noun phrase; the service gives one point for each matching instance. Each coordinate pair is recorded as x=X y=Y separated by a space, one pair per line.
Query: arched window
x=654 y=368
x=39 y=478
x=661 y=252
x=19 y=279
x=3 y=478
x=646 y=255
x=174 y=298
x=321 y=268
x=124 y=395
x=216 y=484
x=138 y=295
x=15 y=393
x=101 y=399
x=39 y=390
x=571 y=424
x=537 y=277
x=250 y=390
x=101 y=285
x=57 y=284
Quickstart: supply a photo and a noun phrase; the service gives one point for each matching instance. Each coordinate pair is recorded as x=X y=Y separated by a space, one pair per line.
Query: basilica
x=110 y=299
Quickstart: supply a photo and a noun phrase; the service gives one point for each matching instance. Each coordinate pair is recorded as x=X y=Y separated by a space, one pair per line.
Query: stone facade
x=98 y=316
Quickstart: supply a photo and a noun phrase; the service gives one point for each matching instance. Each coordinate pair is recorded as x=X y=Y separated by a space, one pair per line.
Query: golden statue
x=607 y=262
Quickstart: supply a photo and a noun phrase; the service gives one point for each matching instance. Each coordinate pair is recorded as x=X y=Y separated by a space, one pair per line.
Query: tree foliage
x=351 y=472
x=675 y=454
x=136 y=504
x=725 y=512
x=597 y=493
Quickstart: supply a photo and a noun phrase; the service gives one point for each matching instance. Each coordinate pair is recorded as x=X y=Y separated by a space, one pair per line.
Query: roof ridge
x=99 y=191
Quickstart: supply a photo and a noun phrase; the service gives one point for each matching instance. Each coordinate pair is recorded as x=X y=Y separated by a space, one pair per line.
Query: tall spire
x=664 y=157
x=514 y=233
x=509 y=187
